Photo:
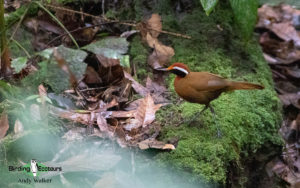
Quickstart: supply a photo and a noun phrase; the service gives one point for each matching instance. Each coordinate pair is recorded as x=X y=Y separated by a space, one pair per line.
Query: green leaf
x=19 y=63
x=74 y=59
x=111 y=47
x=245 y=14
x=46 y=53
x=208 y=5
x=51 y=74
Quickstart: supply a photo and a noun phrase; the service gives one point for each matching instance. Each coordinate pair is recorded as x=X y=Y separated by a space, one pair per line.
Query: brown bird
x=203 y=87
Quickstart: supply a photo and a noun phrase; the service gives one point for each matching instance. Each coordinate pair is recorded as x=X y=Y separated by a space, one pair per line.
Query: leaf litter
x=280 y=41
x=94 y=86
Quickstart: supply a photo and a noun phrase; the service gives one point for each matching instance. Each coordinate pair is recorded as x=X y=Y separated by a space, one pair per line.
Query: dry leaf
x=101 y=122
x=122 y=114
x=4 y=126
x=91 y=76
x=107 y=62
x=141 y=90
x=287 y=32
x=145 y=113
x=154 y=25
x=169 y=146
x=152 y=143
x=134 y=104
x=132 y=124
x=290 y=98
x=267 y=16
x=161 y=54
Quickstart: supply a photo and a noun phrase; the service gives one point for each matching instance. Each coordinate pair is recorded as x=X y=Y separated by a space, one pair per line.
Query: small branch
x=59 y=23
x=113 y=20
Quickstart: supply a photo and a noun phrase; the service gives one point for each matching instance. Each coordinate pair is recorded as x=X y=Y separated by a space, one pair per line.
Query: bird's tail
x=243 y=85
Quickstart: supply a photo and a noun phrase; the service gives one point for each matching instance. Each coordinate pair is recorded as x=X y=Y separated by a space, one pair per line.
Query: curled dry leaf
x=3 y=125
x=152 y=143
x=145 y=113
x=150 y=30
x=161 y=54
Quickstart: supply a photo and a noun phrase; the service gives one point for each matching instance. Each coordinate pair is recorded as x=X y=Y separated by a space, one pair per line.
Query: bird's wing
x=205 y=81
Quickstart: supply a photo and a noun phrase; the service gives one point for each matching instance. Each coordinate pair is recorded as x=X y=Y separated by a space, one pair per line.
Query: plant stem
x=2 y=27
x=5 y=59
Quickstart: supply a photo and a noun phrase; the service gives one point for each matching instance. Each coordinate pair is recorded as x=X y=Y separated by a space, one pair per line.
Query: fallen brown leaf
x=107 y=62
x=152 y=143
x=136 y=86
x=101 y=122
x=145 y=113
x=91 y=76
x=287 y=32
x=154 y=25
x=161 y=54
x=290 y=98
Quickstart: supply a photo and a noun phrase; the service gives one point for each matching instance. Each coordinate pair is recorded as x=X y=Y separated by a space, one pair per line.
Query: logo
x=34 y=169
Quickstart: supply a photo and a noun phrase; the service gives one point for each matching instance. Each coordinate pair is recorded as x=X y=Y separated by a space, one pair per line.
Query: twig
x=114 y=20
x=77 y=29
x=59 y=23
x=91 y=89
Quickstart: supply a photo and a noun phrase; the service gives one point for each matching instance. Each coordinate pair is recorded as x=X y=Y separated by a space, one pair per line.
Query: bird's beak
x=164 y=69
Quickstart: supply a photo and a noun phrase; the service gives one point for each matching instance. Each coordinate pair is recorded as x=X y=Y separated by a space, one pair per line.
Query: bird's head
x=179 y=69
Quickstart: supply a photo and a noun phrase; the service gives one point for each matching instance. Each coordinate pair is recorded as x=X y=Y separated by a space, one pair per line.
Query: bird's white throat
x=182 y=70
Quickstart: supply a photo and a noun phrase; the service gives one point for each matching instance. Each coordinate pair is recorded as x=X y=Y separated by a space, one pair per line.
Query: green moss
x=248 y=119
x=138 y=54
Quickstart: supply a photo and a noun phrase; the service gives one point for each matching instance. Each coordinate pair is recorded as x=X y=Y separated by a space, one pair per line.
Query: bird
x=203 y=87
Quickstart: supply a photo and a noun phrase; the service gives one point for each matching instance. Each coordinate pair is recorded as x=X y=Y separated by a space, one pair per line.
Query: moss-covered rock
x=248 y=119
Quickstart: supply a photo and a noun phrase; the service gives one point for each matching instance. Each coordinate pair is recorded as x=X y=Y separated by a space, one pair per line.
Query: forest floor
x=107 y=92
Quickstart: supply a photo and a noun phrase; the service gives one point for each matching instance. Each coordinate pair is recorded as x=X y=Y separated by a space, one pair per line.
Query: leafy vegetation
x=245 y=13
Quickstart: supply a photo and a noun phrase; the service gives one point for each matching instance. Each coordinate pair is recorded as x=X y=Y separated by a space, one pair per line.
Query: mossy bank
x=248 y=119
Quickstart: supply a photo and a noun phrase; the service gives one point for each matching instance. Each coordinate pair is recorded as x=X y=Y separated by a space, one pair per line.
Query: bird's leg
x=195 y=116
x=219 y=134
